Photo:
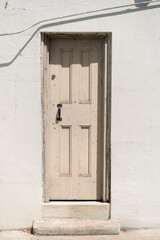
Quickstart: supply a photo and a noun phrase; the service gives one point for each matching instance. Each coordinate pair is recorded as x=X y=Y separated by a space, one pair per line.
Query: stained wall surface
x=135 y=140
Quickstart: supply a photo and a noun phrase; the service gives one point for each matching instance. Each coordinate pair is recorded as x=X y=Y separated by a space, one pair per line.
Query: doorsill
x=75 y=210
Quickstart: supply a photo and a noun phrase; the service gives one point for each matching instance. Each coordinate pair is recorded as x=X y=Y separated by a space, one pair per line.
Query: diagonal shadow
x=80 y=19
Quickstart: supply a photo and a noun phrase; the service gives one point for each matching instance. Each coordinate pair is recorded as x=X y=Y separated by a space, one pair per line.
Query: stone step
x=76 y=227
x=75 y=210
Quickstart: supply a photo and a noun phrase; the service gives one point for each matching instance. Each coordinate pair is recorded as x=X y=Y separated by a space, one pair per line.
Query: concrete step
x=76 y=227
x=75 y=210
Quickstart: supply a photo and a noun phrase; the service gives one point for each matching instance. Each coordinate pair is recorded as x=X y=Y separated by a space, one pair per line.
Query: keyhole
x=53 y=77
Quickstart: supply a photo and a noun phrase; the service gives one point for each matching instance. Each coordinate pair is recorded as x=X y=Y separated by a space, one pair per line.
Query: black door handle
x=59 y=118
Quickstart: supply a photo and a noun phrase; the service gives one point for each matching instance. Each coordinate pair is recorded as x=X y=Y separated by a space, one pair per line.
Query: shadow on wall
x=141 y=3
x=141 y=7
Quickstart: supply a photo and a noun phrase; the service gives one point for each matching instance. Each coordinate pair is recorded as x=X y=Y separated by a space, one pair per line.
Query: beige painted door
x=75 y=145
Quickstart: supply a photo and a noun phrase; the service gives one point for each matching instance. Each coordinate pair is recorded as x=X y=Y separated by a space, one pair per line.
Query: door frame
x=107 y=41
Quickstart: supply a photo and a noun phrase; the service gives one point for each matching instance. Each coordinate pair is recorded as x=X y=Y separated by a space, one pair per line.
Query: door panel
x=65 y=151
x=84 y=151
x=75 y=143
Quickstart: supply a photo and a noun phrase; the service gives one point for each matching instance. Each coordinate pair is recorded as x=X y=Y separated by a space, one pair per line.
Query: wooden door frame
x=107 y=41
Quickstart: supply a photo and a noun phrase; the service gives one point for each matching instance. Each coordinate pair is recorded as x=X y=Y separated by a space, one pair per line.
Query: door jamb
x=107 y=41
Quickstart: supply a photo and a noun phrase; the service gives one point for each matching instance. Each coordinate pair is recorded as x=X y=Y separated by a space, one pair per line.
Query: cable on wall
x=77 y=15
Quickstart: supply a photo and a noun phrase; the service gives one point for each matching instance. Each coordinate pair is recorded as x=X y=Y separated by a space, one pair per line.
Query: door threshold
x=72 y=202
x=75 y=210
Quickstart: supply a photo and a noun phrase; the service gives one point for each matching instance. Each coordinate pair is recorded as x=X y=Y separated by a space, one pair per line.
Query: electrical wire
x=78 y=15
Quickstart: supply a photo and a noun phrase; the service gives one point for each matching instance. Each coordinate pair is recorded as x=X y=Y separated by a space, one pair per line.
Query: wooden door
x=75 y=141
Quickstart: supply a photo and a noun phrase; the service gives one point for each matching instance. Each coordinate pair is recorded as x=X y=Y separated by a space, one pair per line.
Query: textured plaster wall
x=135 y=107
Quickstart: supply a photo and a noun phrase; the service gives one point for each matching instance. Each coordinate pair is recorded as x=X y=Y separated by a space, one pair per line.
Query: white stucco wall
x=135 y=129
